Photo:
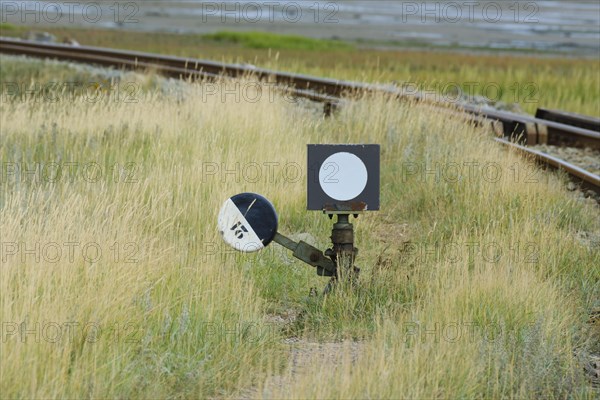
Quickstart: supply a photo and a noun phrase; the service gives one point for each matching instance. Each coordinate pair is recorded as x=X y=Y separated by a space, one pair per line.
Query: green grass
x=8 y=28
x=265 y=40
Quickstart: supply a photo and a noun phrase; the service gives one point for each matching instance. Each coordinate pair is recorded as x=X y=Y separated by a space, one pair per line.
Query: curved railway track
x=547 y=127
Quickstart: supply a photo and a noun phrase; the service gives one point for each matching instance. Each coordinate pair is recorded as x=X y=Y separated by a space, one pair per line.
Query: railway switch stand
x=342 y=180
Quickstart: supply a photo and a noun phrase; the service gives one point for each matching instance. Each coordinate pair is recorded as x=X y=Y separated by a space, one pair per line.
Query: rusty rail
x=586 y=179
x=557 y=137
x=165 y=65
x=568 y=118
x=533 y=129
x=553 y=127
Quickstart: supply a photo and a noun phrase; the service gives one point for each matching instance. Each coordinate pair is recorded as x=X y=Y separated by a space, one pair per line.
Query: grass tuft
x=266 y=40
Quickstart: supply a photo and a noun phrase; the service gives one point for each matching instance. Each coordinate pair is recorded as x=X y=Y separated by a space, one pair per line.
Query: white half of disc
x=236 y=230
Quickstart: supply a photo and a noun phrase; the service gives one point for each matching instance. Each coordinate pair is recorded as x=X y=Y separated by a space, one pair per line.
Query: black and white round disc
x=247 y=222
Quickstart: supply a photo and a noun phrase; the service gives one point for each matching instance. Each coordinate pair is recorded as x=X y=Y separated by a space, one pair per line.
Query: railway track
x=580 y=121
x=546 y=127
x=587 y=180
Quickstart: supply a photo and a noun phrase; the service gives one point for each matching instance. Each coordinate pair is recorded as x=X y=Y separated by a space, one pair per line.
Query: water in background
x=562 y=25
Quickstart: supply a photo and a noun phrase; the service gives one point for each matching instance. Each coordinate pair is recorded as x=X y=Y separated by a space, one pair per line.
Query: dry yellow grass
x=166 y=311
x=548 y=81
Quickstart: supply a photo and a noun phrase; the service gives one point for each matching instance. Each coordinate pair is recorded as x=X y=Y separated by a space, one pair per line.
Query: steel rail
x=330 y=87
x=533 y=130
x=515 y=124
x=112 y=59
x=328 y=91
x=587 y=180
x=569 y=118
x=559 y=138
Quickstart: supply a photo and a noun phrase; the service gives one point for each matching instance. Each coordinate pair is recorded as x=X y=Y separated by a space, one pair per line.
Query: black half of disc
x=260 y=214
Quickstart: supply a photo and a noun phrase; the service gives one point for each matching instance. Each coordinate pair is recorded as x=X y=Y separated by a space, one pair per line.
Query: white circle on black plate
x=343 y=176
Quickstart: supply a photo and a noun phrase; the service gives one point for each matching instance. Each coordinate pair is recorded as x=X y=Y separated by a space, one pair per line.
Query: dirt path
x=304 y=356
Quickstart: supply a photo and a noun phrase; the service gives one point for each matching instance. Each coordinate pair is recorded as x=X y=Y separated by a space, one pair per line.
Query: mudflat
x=563 y=26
